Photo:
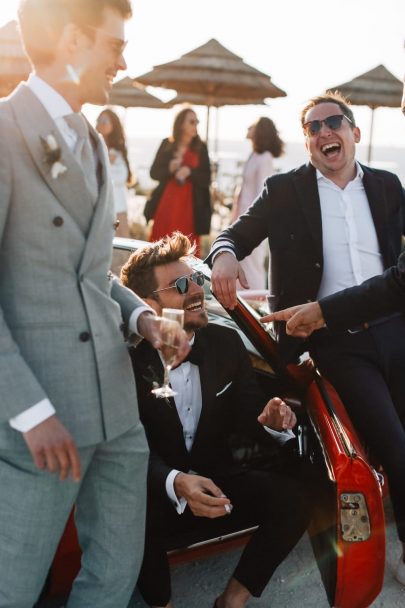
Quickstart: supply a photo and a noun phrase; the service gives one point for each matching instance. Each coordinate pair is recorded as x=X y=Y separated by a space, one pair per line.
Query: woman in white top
x=266 y=144
x=109 y=126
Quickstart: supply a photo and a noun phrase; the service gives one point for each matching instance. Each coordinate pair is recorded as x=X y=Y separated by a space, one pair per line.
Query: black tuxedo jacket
x=231 y=400
x=379 y=296
x=288 y=214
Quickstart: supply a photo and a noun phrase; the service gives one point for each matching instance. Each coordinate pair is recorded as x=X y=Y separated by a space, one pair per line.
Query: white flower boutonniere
x=53 y=154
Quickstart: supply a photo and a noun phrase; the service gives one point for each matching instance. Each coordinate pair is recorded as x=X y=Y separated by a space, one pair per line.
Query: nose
x=325 y=127
x=121 y=64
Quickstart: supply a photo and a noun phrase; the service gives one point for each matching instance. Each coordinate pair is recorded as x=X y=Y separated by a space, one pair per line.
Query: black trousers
x=275 y=502
x=368 y=371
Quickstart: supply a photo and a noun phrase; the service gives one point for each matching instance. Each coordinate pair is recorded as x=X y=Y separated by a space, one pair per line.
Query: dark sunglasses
x=334 y=123
x=182 y=283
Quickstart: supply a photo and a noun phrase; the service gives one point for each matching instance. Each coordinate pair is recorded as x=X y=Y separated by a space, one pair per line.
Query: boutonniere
x=155 y=379
x=53 y=154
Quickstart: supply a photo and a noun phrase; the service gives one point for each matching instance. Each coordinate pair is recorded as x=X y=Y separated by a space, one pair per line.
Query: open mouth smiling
x=330 y=148
x=197 y=305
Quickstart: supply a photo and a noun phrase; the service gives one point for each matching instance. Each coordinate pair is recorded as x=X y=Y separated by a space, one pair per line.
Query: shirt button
x=84 y=336
x=116 y=224
x=189 y=409
x=58 y=221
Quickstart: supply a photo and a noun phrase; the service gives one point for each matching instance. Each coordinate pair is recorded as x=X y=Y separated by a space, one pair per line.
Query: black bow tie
x=196 y=353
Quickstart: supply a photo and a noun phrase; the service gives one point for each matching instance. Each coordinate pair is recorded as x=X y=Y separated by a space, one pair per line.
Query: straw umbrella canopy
x=14 y=65
x=213 y=72
x=129 y=94
x=375 y=88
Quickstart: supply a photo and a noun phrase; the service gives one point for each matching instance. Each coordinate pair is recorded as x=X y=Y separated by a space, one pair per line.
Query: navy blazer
x=288 y=214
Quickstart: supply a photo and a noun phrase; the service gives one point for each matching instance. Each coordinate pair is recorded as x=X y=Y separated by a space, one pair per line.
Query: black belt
x=369 y=324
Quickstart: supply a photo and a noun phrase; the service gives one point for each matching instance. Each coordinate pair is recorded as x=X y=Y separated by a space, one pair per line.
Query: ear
x=357 y=134
x=74 y=39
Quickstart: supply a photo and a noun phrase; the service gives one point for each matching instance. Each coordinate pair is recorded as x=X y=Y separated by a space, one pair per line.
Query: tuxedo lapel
x=150 y=366
x=69 y=188
x=208 y=388
x=306 y=187
x=374 y=187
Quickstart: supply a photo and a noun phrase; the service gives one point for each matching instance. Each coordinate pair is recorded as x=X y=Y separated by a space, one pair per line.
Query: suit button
x=116 y=224
x=84 y=336
x=58 y=221
x=292 y=237
x=317 y=265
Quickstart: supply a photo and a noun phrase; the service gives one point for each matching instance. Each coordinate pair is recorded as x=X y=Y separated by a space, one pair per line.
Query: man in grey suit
x=66 y=383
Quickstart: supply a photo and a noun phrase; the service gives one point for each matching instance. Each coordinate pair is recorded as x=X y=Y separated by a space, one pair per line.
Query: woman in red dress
x=181 y=201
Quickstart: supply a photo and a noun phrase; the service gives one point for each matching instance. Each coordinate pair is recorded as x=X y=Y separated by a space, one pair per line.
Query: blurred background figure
x=266 y=144
x=109 y=126
x=181 y=201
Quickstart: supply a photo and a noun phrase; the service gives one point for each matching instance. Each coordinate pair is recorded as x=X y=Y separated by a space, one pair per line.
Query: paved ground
x=296 y=584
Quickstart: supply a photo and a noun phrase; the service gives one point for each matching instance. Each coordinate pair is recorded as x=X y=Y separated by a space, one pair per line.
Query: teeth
x=194 y=306
x=327 y=147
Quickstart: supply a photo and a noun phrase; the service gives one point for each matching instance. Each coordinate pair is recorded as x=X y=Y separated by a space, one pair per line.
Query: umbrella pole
x=371 y=137
x=208 y=125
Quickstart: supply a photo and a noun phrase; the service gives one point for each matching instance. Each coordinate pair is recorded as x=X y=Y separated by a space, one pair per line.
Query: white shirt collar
x=359 y=173
x=53 y=102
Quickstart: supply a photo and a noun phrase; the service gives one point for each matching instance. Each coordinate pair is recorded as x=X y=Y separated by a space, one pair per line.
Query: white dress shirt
x=185 y=381
x=351 y=252
x=57 y=107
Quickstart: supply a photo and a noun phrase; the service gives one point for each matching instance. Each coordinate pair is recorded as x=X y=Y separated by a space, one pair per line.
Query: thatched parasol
x=376 y=88
x=213 y=73
x=14 y=65
x=129 y=94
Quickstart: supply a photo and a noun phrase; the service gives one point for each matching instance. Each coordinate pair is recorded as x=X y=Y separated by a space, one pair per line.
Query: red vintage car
x=347 y=533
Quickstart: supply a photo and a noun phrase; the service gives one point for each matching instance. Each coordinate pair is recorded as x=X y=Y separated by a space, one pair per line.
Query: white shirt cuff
x=133 y=319
x=178 y=503
x=280 y=436
x=33 y=416
x=223 y=246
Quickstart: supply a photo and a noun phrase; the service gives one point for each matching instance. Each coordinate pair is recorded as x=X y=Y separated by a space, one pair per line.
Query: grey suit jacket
x=60 y=327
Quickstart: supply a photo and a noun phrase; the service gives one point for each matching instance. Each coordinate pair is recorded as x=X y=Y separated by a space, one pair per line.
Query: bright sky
x=305 y=46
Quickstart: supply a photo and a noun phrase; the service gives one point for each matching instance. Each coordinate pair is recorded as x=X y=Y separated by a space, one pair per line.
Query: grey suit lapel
x=308 y=196
x=104 y=210
x=70 y=188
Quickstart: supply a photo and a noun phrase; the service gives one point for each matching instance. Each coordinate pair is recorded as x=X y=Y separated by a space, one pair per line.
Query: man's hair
x=138 y=272
x=329 y=97
x=42 y=21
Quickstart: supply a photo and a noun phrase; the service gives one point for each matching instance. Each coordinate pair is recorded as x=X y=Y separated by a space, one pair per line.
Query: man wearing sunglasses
x=333 y=224
x=195 y=489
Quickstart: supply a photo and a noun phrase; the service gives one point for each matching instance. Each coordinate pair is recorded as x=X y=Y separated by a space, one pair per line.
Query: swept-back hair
x=138 y=272
x=41 y=22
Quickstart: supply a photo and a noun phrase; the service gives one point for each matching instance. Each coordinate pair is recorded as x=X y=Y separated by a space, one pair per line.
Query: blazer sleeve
x=126 y=298
x=160 y=166
x=379 y=296
x=249 y=230
x=19 y=387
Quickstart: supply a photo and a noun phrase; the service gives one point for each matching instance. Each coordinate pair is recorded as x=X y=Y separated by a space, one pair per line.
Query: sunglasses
x=182 y=283
x=334 y=123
